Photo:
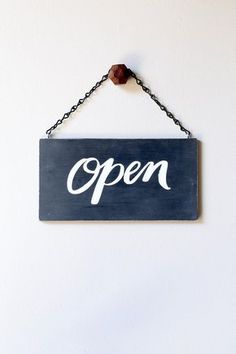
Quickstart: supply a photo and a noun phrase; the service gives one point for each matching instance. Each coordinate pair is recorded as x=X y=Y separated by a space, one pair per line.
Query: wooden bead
x=119 y=74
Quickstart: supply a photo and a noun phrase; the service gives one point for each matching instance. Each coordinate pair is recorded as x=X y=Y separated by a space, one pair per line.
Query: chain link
x=162 y=107
x=98 y=84
x=74 y=108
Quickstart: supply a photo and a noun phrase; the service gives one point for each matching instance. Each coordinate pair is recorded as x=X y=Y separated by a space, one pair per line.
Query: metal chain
x=162 y=107
x=98 y=84
x=74 y=108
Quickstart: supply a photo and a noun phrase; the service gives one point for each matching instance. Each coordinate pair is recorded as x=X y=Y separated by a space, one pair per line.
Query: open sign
x=118 y=179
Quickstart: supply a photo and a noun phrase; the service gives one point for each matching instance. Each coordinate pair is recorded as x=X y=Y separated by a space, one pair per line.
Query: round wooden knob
x=119 y=74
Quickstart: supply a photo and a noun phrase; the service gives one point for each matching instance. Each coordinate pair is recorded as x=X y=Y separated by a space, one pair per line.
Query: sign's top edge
x=122 y=139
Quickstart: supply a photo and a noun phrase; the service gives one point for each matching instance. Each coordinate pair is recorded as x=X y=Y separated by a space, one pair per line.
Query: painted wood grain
x=118 y=179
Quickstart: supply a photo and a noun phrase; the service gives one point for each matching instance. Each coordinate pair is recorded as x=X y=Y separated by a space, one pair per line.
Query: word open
x=100 y=174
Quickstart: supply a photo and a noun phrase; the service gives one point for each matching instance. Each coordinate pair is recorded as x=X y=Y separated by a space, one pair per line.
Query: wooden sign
x=118 y=179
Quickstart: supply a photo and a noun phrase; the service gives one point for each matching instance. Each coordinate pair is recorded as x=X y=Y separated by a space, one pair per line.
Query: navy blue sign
x=118 y=179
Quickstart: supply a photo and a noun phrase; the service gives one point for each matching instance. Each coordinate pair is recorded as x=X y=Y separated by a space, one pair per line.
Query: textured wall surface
x=117 y=288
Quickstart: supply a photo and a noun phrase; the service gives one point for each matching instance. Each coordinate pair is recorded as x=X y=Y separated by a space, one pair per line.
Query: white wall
x=117 y=288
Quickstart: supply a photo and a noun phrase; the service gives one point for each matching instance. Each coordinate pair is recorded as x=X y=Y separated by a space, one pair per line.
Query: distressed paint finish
x=141 y=200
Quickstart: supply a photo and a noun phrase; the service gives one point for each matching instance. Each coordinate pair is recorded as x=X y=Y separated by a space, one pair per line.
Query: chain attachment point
x=161 y=106
x=74 y=107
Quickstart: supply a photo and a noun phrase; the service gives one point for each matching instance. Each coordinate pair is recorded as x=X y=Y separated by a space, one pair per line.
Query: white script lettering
x=101 y=172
